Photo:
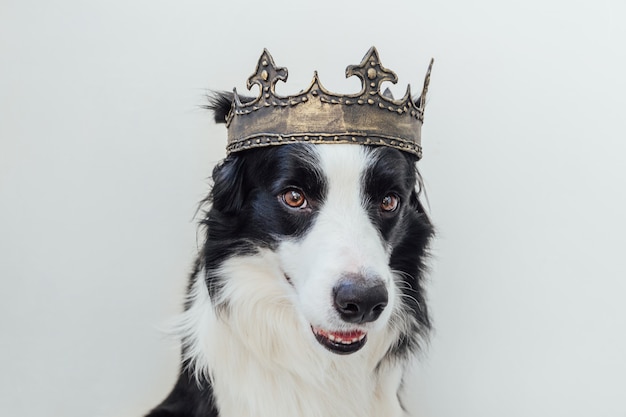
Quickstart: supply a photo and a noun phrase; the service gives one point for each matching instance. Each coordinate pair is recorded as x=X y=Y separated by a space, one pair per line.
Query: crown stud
x=370 y=117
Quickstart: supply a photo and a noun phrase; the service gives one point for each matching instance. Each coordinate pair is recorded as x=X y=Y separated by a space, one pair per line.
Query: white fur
x=343 y=240
x=260 y=353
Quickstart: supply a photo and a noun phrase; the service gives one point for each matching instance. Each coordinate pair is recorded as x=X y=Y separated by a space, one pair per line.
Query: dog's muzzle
x=358 y=301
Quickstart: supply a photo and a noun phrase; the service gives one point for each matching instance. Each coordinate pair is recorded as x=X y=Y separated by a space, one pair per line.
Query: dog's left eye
x=389 y=203
x=294 y=198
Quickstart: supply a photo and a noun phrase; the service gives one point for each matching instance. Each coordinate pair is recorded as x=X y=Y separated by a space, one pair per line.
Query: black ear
x=228 y=192
x=415 y=202
x=422 y=229
x=220 y=103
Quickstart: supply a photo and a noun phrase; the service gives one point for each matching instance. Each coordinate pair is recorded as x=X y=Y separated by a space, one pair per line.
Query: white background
x=105 y=153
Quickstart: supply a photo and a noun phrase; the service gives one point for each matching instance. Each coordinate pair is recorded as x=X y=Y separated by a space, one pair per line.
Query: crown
x=316 y=115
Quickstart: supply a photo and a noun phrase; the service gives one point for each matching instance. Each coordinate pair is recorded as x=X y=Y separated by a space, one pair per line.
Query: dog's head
x=346 y=230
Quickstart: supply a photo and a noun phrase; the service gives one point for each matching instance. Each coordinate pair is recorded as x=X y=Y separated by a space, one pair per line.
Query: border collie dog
x=307 y=297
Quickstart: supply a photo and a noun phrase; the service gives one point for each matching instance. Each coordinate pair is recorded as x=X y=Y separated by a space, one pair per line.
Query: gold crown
x=319 y=116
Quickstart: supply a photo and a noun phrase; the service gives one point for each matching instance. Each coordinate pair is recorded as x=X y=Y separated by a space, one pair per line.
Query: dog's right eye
x=389 y=203
x=294 y=198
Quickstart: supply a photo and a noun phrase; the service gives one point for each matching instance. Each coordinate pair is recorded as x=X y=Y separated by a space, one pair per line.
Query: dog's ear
x=418 y=188
x=227 y=195
x=422 y=229
x=228 y=192
x=415 y=202
x=220 y=103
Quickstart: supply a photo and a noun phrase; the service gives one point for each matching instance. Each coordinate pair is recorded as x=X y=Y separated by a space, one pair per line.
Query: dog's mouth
x=342 y=343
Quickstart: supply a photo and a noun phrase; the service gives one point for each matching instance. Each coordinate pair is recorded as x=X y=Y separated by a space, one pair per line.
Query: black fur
x=220 y=103
x=187 y=399
x=409 y=233
x=245 y=212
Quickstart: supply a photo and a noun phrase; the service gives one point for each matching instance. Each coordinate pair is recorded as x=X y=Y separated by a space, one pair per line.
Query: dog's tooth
x=346 y=338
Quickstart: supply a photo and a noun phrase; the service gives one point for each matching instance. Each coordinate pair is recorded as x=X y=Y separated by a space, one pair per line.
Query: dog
x=307 y=297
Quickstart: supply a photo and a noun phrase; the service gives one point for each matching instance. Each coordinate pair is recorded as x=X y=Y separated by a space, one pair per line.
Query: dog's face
x=347 y=229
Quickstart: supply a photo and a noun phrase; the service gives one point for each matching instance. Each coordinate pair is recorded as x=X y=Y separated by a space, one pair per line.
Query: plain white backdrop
x=105 y=153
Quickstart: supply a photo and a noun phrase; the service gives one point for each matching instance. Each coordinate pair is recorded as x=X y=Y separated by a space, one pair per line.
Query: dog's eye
x=389 y=203
x=294 y=198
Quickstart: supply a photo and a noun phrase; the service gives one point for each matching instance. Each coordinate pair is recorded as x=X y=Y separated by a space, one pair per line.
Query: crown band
x=269 y=139
x=319 y=116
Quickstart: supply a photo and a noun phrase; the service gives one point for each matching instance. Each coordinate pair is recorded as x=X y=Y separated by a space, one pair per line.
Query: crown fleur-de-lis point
x=422 y=103
x=371 y=72
x=267 y=74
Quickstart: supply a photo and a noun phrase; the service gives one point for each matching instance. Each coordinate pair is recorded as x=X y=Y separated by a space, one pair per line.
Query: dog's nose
x=360 y=301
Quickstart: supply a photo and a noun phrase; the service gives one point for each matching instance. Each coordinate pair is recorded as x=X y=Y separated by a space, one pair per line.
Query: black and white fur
x=263 y=297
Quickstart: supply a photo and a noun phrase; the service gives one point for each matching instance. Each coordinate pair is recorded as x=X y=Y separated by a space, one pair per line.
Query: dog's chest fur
x=271 y=371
